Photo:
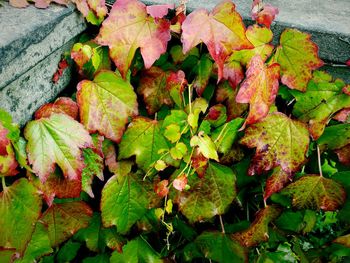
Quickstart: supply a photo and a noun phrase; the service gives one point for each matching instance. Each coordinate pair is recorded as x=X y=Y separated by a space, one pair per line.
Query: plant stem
x=3 y=182
x=319 y=161
x=222 y=225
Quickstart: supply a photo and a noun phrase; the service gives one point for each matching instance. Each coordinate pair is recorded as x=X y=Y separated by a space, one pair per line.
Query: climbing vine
x=189 y=137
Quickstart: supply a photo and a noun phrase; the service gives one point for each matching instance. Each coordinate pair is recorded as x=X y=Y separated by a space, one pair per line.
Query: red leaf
x=153 y=88
x=259 y=89
x=176 y=84
x=233 y=72
x=61 y=105
x=159 y=11
x=343 y=115
x=222 y=31
x=263 y=13
x=57 y=186
x=180 y=182
x=344 y=154
x=129 y=27
x=161 y=188
x=199 y=162
x=348 y=62
x=19 y=3
x=8 y=163
x=276 y=182
x=62 y=65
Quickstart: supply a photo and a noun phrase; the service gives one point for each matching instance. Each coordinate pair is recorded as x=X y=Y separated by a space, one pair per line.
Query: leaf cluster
x=188 y=138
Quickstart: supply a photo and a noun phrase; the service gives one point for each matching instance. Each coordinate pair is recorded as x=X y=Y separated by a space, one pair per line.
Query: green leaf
x=317 y=105
x=13 y=129
x=20 y=207
x=258 y=230
x=97 y=237
x=335 y=137
x=64 y=220
x=316 y=192
x=279 y=141
x=297 y=56
x=227 y=95
x=220 y=247
x=106 y=103
x=100 y=258
x=143 y=139
x=68 y=252
x=202 y=72
x=225 y=135
x=208 y=196
x=135 y=251
x=124 y=201
x=62 y=138
x=205 y=145
x=38 y=246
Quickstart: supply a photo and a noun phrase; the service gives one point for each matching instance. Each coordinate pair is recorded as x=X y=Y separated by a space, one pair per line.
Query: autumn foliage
x=187 y=138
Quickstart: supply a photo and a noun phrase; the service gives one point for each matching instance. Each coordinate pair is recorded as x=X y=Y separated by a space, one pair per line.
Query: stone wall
x=32 y=42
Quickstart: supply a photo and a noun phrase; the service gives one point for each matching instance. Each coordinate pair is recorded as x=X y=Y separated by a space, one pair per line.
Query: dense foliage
x=189 y=138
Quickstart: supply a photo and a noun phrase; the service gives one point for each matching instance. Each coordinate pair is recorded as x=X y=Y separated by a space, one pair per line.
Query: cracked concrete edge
x=22 y=97
x=23 y=51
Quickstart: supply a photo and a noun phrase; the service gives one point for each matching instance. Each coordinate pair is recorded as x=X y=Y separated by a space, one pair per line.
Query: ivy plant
x=188 y=138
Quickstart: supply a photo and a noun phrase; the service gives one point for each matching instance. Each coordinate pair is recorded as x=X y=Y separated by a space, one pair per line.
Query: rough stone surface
x=34 y=88
x=29 y=35
x=328 y=21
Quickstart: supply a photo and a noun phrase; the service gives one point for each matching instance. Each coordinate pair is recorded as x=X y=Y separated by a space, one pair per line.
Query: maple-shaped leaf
x=222 y=31
x=57 y=185
x=297 y=56
x=227 y=94
x=143 y=139
x=263 y=13
x=279 y=141
x=258 y=231
x=259 y=89
x=124 y=200
x=316 y=192
x=220 y=247
x=260 y=37
x=321 y=100
x=136 y=250
x=64 y=220
x=38 y=246
x=97 y=237
x=56 y=140
x=20 y=208
x=106 y=103
x=276 y=182
x=61 y=105
x=175 y=84
x=344 y=154
x=153 y=88
x=8 y=163
x=208 y=196
x=129 y=27
x=343 y=240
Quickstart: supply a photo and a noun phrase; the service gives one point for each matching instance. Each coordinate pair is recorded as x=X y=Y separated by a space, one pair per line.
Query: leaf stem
x=222 y=225
x=3 y=182
x=319 y=160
